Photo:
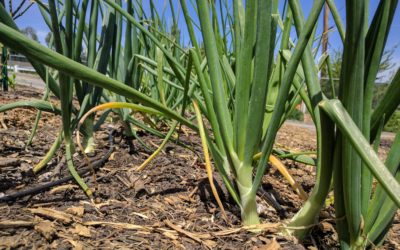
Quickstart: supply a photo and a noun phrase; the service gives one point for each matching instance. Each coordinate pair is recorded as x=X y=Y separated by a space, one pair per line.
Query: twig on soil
x=125 y=182
x=156 y=146
x=38 y=189
x=16 y=223
x=193 y=191
x=127 y=226
x=3 y=124
x=204 y=238
x=196 y=237
x=272 y=201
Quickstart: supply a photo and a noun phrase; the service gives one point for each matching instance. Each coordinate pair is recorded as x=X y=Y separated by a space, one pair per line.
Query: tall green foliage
x=247 y=75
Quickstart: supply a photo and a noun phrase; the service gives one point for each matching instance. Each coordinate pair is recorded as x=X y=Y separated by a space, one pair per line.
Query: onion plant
x=347 y=152
x=250 y=94
x=363 y=48
x=243 y=97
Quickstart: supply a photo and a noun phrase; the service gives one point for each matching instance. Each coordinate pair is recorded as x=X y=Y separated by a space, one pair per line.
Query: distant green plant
x=393 y=125
x=12 y=81
x=15 y=10
x=4 y=70
x=296 y=115
x=378 y=91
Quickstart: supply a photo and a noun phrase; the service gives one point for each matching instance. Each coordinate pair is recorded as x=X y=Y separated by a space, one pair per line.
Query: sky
x=34 y=19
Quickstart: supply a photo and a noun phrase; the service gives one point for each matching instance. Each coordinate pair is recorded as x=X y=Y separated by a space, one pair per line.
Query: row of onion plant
x=243 y=95
x=85 y=28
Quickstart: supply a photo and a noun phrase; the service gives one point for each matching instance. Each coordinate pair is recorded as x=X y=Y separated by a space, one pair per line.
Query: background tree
x=387 y=70
x=15 y=13
x=31 y=33
x=4 y=73
x=47 y=39
x=385 y=73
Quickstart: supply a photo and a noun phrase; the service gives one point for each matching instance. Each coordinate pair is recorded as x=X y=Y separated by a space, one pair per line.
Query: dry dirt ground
x=167 y=206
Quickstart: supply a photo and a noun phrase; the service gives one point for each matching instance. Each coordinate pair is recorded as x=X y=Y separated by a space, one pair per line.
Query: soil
x=166 y=206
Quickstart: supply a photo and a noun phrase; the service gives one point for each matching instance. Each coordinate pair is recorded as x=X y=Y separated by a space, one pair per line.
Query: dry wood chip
x=13 y=155
x=76 y=244
x=110 y=202
x=46 y=229
x=115 y=225
x=44 y=204
x=55 y=244
x=62 y=188
x=138 y=239
x=8 y=162
x=10 y=242
x=191 y=210
x=140 y=215
x=185 y=156
x=178 y=245
x=273 y=245
x=138 y=184
x=124 y=181
x=263 y=239
x=112 y=157
x=186 y=198
x=16 y=223
x=3 y=123
x=172 y=200
x=156 y=146
x=172 y=236
x=82 y=231
x=200 y=238
x=78 y=211
x=327 y=227
x=52 y=214
x=143 y=232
